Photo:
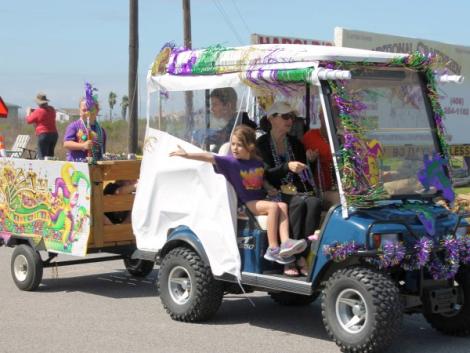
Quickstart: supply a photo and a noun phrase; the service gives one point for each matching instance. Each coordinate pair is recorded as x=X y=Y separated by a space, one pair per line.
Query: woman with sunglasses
x=288 y=177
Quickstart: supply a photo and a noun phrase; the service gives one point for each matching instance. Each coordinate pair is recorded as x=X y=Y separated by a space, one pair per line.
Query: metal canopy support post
x=334 y=145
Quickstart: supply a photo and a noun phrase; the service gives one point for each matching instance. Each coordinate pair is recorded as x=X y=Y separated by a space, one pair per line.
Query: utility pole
x=133 y=78
x=188 y=45
x=187 y=24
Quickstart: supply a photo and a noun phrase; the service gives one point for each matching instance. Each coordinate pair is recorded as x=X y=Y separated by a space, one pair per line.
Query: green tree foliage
x=112 y=101
x=124 y=105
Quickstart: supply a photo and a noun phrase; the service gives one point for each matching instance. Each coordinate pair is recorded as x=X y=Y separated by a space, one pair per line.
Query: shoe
x=291 y=247
x=273 y=255
x=291 y=270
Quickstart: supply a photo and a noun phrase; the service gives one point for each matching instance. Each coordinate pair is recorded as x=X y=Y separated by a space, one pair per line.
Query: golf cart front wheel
x=361 y=310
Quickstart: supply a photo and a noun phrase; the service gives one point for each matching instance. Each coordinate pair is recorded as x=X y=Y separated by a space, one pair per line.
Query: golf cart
x=391 y=246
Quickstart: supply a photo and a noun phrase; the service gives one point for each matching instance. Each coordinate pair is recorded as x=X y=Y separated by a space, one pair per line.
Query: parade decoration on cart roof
x=230 y=66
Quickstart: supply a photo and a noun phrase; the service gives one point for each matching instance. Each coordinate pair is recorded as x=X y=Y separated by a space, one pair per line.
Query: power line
x=241 y=16
x=227 y=20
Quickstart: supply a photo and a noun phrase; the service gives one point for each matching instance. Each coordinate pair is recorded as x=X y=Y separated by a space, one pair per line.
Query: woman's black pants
x=46 y=144
x=304 y=215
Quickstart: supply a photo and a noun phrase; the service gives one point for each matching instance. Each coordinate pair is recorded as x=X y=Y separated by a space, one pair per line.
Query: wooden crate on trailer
x=101 y=174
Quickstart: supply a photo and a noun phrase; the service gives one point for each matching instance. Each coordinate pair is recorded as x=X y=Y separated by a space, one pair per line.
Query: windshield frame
x=332 y=115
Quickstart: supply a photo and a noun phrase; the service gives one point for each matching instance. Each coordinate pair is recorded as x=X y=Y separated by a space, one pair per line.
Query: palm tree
x=124 y=105
x=112 y=101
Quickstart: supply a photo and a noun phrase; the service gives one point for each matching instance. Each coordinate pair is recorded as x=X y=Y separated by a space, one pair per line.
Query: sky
x=55 y=46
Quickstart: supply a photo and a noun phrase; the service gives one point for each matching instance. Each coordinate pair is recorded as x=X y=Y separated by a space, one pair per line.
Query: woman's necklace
x=287 y=183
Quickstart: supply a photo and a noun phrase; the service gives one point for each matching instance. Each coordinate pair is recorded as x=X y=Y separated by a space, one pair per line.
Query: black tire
x=454 y=323
x=378 y=312
x=138 y=267
x=293 y=299
x=26 y=267
x=195 y=294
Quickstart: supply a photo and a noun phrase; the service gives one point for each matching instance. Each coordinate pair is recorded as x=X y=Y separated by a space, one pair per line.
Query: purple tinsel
x=422 y=250
x=419 y=256
x=349 y=140
x=339 y=252
x=393 y=254
x=172 y=69
x=90 y=99
x=186 y=67
x=464 y=248
x=446 y=264
x=441 y=265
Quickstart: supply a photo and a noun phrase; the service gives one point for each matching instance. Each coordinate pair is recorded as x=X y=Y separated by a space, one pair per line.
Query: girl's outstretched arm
x=202 y=156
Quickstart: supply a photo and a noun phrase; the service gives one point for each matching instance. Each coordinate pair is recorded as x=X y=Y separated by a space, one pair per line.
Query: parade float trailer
x=51 y=207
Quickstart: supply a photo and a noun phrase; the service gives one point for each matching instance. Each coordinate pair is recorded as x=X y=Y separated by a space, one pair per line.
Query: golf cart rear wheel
x=187 y=288
x=361 y=310
x=26 y=267
x=457 y=321
x=293 y=299
x=138 y=267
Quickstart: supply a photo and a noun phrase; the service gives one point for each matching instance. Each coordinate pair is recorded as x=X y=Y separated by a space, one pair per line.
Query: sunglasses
x=288 y=116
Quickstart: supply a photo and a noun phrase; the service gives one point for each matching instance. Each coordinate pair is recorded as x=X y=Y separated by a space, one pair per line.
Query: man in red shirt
x=46 y=130
x=317 y=140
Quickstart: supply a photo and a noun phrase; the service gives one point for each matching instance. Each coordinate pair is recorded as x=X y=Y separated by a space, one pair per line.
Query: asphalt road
x=100 y=308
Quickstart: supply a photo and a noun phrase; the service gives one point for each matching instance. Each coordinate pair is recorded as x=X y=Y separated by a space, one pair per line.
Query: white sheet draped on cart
x=174 y=191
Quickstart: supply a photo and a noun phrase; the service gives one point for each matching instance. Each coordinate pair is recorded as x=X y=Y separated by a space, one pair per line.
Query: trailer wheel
x=188 y=290
x=26 y=267
x=457 y=321
x=292 y=299
x=361 y=310
x=138 y=267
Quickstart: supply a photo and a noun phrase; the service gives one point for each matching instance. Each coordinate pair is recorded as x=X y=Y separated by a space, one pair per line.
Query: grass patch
x=463 y=190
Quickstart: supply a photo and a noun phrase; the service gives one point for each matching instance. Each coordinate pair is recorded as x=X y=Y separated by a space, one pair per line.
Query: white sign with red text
x=454 y=98
x=268 y=39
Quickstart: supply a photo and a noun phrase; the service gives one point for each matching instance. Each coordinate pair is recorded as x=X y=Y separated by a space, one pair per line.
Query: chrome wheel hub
x=179 y=285
x=351 y=311
x=20 y=268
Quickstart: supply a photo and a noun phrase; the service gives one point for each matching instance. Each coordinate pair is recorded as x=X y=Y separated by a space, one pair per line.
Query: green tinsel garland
x=294 y=75
x=206 y=64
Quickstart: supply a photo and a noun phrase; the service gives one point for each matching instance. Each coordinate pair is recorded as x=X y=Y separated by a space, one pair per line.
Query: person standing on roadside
x=46 y=130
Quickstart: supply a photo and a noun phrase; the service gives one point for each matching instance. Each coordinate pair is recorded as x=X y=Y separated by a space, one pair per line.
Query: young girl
x=85 y=137
x=245 y=172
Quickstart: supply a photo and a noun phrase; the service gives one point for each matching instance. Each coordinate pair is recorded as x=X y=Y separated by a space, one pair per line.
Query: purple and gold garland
x=354 y=154
x=442 y=264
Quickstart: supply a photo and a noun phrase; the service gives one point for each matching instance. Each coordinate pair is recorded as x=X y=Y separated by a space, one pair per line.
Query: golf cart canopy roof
x=177 y=69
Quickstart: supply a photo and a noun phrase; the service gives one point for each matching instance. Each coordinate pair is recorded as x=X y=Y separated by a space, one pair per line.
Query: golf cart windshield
x=392 y=118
